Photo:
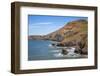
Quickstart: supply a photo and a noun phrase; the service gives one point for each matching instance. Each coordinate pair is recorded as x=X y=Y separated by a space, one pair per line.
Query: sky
x=45 y=24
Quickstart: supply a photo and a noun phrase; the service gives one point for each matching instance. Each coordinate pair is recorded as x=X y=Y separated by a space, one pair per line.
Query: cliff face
x=72 y=34
x=36 y=37
x=73 y=31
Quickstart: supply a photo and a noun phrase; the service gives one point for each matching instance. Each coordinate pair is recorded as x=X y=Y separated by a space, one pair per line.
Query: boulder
x=60 y=44
x=84 y=51
x=77 y=50
x=64 y=52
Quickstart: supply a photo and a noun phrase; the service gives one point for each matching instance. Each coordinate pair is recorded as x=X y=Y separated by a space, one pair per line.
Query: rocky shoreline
x=79 y=49
x=73 y=34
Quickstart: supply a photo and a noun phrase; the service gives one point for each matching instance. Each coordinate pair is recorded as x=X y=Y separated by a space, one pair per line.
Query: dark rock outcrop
x=64 y=52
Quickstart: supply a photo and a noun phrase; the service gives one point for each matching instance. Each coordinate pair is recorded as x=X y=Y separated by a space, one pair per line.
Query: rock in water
x=64 y=52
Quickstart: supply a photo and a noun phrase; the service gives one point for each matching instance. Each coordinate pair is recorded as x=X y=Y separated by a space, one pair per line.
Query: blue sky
x=45 y=24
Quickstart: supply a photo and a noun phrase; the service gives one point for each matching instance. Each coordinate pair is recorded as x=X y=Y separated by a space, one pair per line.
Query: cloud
x=42 y=23
x=45 y=23
x=32 y=27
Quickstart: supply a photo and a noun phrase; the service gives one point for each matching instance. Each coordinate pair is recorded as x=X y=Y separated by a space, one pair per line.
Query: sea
x=43 y=50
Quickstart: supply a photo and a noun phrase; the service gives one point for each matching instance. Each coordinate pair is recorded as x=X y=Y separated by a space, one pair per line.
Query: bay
x=42 y=50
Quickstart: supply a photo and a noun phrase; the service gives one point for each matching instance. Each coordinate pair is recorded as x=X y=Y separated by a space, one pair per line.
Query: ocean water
x=42 y=50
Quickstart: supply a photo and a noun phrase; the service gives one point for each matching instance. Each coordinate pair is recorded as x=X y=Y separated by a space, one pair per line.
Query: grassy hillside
x=71 y=31
x=72 y=34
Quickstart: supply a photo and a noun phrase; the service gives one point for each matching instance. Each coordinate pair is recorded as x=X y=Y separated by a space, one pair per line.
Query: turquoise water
x=41 y=50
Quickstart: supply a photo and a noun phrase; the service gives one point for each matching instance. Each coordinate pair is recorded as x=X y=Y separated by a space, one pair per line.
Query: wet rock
x=53 y=44
x=77 y=50
x=60 y=44
x=84 y=51
x=64 y=52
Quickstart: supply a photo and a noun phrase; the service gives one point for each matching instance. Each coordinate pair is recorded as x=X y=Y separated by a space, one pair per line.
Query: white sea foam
x=56 y=51
x=70 y=53
x=70 y=50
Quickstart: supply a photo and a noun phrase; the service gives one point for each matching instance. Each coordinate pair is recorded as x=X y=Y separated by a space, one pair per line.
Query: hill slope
x=72 y=34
